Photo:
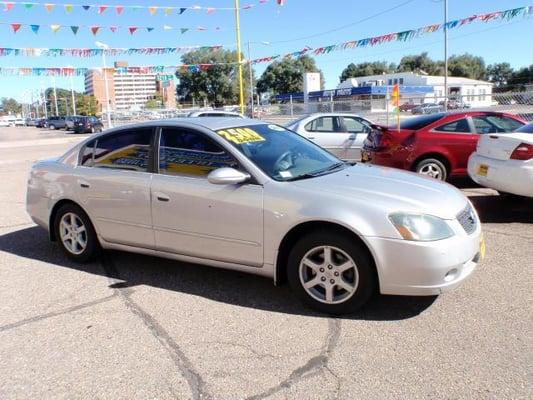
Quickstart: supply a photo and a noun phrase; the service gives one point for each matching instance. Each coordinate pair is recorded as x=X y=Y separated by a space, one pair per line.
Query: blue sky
x=297 y=24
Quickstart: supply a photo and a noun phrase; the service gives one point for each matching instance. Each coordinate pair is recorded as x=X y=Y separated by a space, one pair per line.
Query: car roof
x=213 y=123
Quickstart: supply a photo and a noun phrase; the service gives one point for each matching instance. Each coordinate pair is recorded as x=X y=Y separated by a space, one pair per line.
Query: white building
x=470 y=91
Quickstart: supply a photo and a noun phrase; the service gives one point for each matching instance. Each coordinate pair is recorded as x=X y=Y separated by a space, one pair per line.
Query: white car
x=4 y=123
x=504 y=162
x=19 y=122
x=340 y=134
x=214 y=113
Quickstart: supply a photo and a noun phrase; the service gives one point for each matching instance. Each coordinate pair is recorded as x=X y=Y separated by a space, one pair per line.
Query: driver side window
x=185 y=152
x=323 y=124
x=354 y=125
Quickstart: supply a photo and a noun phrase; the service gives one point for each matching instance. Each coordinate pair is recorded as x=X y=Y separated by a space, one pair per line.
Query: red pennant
x=119 y=9
x=15 y=27
x=95 y=29
x=132 y=29
x=101 y=9
x=113 y=28
x=8 y=6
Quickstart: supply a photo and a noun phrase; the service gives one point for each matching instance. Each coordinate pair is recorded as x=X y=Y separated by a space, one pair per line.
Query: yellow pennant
x=68 y=7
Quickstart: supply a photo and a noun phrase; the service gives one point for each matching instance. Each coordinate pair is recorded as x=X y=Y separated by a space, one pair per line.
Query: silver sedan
x=251 y=196
x=340 y=134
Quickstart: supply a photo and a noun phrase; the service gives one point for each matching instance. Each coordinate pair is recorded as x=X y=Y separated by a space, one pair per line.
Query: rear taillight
x=523 y=151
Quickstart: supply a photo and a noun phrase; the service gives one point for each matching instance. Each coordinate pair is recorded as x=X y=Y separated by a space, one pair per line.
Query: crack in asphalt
x=313 y=366
x=56 y=313
x=185 y=366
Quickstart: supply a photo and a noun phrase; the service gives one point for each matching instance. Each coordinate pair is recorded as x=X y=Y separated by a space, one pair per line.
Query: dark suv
x=55 y=122
x=88 y=124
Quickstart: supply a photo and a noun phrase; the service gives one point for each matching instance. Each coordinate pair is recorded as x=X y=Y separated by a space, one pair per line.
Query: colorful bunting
x=28 y=6
x=35 y=28
x=132 y=29
x=86 y=8
x=68 y=8
x=168 y=10
x=183 y=30
x=55 y=28
x=15 y=27
x=8 y=6
x=119 y=9
x=49 y=7
x=149 y=29
x=113 y=28
x=152 y=10
x=101 y=9
x=182 y=10
x=95 y=29
x=75 y=29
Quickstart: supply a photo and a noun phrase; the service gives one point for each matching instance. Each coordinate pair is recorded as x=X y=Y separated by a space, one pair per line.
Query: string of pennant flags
x=95 y=29
x=119 y=9
x=402 y=36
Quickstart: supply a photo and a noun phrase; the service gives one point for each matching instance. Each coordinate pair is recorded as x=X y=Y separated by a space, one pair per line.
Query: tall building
x=129 y=90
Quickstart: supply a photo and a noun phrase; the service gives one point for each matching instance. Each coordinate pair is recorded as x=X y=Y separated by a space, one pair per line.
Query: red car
x=437 y=145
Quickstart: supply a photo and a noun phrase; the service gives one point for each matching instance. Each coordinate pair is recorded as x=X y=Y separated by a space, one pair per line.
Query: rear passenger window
x=128 y=150
x=87 y=154
x=461 y=125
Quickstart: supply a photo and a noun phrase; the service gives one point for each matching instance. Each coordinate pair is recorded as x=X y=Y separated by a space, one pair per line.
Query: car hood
x=392 y=189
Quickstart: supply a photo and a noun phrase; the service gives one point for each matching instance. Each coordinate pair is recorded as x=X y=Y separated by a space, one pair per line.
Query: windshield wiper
x=317 y=173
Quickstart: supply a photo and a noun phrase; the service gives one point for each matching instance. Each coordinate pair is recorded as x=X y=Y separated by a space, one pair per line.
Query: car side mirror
x=227 y=176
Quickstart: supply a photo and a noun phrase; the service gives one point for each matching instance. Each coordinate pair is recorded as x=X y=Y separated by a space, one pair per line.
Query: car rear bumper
x=382 y=158
x=511 y=176
x=425 y=268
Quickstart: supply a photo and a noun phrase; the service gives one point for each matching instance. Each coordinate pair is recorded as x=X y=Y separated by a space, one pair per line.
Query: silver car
x=341 y=134
x=250 y=196
x=214 y=113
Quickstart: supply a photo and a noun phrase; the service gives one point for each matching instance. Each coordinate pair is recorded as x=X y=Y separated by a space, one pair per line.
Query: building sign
x=164 y=78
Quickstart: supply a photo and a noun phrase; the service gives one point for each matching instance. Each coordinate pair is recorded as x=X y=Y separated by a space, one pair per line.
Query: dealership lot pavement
x=131 y=326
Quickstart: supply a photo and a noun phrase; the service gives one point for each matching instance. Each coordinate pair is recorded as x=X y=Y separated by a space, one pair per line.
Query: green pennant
x=183 y=30
x=75 y=29
x=28 y=6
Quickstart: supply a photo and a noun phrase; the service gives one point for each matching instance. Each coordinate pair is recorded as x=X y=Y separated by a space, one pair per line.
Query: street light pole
x=251 y=80
x=445 y=55
x=104 y=47
x=55 y=94
x=239 y=58
x=72 y=95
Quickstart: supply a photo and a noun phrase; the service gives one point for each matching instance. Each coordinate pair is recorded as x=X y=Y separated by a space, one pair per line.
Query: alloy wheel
x=73 y=233
x=432 y=170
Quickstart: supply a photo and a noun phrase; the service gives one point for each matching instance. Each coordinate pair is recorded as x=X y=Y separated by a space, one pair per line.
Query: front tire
x=433 y=168
x=75 y=234
x=331 y=272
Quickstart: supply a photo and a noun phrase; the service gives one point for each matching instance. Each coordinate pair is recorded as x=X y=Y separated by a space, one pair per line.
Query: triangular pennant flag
x=101 y=9
x=55 y=28
x=132 y=29
x=201 y=28
x=49 y=7
x=149 y=29
x=210 y=10
x=35 y=28
x=152 y=10
x=248 y=7
x=136 y=8
x=28 y=6
x=95 y=29
x=75 y=29
x=86 y=8
x=15 y=27
x=119 y=9
x=8 y=6
x=167 y=27
x=183 y=30
x=113 y=28
x=68 y=7
x=168 y=10
x=182 y=10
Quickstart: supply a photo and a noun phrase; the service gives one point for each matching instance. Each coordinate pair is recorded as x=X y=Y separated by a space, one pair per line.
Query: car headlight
x=420 y=227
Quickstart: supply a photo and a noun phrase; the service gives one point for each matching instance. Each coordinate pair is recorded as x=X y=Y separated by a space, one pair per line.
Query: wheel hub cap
x=73 y=233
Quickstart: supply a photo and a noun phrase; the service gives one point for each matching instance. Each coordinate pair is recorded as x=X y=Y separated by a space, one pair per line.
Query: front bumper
x=511 y=176
x=425 y=268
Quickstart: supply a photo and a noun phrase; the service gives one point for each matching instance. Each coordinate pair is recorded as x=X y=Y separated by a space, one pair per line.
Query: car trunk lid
x=501 y=146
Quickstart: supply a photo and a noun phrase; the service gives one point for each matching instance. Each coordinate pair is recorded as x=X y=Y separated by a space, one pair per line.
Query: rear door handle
x=84 y=184
x=162 y=197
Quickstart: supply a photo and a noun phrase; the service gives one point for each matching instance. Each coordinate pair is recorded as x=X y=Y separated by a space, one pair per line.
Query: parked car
x=340 y=134
x=88 y=124
x=457 y=105
x=4 y=123
x=427 y=108
x=408 y=106
x=436 y=145
x=70 y=120
x=55 y=122
x=19 y=122
x=40 y=123
x=31 y=121
x=255 y=197
x=505 y=162
x=214 y=113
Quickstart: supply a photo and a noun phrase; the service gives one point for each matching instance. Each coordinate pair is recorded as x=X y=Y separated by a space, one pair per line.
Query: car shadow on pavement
x=128 y=270
x=500 y=209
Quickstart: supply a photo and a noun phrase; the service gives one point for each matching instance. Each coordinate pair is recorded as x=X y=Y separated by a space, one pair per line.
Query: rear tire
x=433 y=168
x=331 y=272
x=75 y=234
x=52 y=127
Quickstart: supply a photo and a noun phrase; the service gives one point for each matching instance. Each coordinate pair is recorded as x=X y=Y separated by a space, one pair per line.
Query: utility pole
x=251 y=80
x=55 y=94
x=445 y=55
x=239 y=58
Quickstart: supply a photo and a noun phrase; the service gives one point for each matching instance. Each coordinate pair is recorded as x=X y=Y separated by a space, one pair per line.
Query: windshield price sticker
x=241 y=135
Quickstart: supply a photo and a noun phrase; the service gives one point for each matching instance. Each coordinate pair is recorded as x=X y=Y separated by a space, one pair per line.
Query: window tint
x=461 y=125
x=526 y=128
x=188 y=153
x=323 y=124
x=421 y=122
x=87 y=153
x=494 y=124
x=355 y=125
x=125 y=150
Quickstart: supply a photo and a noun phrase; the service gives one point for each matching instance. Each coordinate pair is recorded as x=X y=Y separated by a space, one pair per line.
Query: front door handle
x=84 y=184
x=162 y=197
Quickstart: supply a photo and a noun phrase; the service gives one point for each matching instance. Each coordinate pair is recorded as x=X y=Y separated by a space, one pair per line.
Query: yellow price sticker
x=241 y=135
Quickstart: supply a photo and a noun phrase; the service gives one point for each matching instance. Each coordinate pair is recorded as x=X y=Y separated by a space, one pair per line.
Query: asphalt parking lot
x=131 y=326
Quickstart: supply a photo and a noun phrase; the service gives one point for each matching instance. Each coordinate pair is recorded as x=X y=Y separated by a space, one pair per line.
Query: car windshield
x=421 y=122
x=281 y=154
x=526 y=128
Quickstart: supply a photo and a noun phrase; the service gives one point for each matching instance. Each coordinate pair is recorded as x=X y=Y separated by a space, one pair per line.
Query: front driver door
x=196 y=218
x=328 y=133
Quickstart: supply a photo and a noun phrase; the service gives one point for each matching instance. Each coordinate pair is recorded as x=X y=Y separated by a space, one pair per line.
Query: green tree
x=85 y=104
x=499 y=73
x=366 y=68
x=216 y=84
x=10 y=106
x=286 y=76
x=523 y=76
x=421 y=63
x=155 y=102
x=467 y=66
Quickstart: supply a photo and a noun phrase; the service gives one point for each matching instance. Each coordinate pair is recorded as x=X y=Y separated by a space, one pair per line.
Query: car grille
x=467 y=219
